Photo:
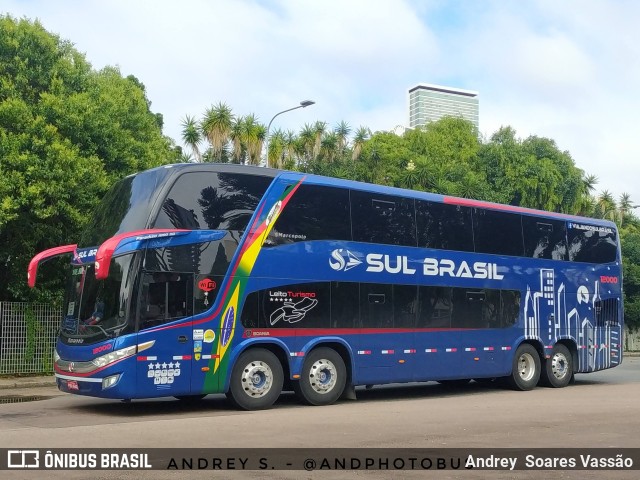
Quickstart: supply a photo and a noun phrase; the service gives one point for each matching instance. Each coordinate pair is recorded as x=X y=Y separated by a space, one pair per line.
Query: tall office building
x=428 y=103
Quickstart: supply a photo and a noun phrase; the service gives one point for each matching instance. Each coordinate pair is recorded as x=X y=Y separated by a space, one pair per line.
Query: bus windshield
x=99 y=309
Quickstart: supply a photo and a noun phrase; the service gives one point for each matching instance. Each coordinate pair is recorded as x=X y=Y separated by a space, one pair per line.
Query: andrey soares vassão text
x=494 y=462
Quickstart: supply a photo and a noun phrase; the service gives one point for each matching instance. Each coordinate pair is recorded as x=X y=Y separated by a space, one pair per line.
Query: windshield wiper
x=106 y=334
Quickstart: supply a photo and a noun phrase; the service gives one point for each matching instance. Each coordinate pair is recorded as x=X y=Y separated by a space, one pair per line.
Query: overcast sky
x=568 y=70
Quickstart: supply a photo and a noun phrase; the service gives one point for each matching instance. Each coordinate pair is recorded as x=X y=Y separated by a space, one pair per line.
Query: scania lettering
x=196 y=279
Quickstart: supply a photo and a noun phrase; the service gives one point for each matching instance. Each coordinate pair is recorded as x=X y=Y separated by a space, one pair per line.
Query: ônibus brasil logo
x=343 y=259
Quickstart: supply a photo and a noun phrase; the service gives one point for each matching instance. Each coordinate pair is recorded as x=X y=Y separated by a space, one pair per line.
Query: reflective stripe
x=79 y=379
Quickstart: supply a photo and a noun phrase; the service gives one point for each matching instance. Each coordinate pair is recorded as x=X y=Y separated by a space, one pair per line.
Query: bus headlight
x=112 y=357
x=110 y=381
x=56 y=357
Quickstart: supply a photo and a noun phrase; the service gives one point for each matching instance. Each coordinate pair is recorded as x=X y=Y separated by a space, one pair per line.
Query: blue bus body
x=400 y=307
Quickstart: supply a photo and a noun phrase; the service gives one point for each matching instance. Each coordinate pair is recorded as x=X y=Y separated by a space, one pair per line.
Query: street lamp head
x=306 y=103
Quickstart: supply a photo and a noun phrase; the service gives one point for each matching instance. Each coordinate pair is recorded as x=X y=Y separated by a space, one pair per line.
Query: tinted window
x=405 y=304
x=591 y=244
x=467 y=308
x=125 y=208
x=313 y=213
x=165 y=297
x=496 y=232
x=214 y=201
x=250 y=317
x=345 y=309
x=606 y=312
x=544 y=238
x=448 y=307
x=443 y=226
x=376 y=305
x=383 y=219
x=434 y=307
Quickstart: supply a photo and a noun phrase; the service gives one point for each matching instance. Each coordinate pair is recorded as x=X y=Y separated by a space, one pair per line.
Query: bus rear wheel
x=525 y=371
x=558 y=368
x=323 y=378
x=256 y=380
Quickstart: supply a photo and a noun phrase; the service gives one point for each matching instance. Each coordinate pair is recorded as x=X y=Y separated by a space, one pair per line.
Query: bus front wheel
x=558 y=368
x=526 y=368
x=323 y=378
x=256 y=380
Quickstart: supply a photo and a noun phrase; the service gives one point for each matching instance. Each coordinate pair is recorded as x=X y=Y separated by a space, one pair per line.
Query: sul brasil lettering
x=433 y=267
x=343 y=260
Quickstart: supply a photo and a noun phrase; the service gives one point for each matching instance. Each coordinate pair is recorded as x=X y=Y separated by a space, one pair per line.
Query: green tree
x=66 y=133
x=630 y=241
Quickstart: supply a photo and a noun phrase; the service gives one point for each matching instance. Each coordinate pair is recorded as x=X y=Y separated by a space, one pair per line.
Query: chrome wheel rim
x=323 y=376
x=526 y=367
x=559 y=365
x=256 y=379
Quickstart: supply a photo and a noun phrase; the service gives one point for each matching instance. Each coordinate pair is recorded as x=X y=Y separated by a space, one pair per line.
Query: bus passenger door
x=164 y=369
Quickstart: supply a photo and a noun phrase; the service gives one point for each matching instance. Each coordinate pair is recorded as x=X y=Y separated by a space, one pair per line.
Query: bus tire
x=558 y=368
x=256 y=380
x=323 y=377
x=525 y=371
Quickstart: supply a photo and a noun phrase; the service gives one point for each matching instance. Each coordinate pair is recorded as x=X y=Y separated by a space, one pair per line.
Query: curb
x=14 y=383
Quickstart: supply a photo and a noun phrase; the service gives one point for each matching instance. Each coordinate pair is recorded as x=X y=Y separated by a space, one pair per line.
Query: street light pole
x=303 y=104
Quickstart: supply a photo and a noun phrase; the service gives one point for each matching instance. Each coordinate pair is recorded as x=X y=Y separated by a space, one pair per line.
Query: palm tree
x=216 y=126
x=342 y=131
x=329 y=146
x=589 y=184
x=253 y=135
x=185 y=158
x=625 y=205
x=306 y=142
x=276 y=150
x=191 y=136
x=318 y=130
x=606 y=206
x=362 y=134
x=235 y=136
x=289 y=140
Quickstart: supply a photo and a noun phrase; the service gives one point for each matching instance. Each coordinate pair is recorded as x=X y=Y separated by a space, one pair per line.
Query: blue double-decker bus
x=194 y=279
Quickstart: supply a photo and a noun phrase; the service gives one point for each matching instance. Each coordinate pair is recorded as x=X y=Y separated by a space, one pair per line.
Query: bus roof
x=382 y=189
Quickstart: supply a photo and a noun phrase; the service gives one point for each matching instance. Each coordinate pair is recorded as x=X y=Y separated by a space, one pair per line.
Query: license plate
x=72 y=385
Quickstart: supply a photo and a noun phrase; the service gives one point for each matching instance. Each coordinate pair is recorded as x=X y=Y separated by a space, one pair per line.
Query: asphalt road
x=599 y=410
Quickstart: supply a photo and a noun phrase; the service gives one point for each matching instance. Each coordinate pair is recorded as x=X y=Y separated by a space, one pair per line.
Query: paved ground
x=600 y=410
x=15 y=383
